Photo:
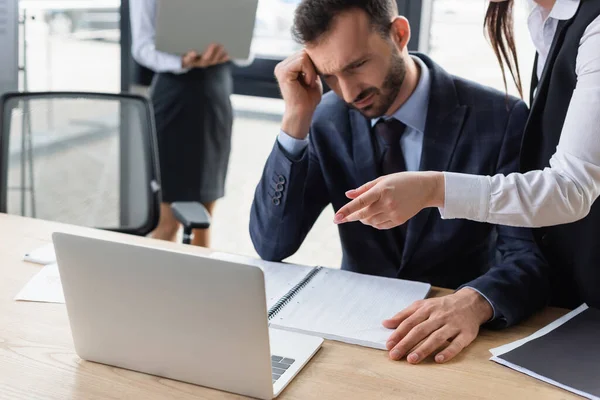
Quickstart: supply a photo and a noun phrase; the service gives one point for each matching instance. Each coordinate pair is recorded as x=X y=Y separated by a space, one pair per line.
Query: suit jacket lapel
x=544 y=81
x=538 y=102
x=534 y=79
x=445 y=119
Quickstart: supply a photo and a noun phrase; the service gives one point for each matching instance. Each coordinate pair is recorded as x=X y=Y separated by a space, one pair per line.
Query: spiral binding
x=277 y=307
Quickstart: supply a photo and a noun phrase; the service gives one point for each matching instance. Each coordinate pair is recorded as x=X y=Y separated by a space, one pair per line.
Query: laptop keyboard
x=279 y=365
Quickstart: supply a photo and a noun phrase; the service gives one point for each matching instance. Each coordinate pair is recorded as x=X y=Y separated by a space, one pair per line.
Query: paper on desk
x=349 y=307
x=279 y=277
x=45 y=287
x=44 y=255
x=499 y=351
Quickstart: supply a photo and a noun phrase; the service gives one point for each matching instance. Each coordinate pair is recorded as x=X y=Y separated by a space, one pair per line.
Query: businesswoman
x=560 y=161
x=193 y=115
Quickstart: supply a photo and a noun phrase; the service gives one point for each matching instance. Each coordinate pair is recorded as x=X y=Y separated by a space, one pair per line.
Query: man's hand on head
x=301 y=89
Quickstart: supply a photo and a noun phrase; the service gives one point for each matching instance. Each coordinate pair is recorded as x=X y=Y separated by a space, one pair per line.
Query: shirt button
x=276 y=201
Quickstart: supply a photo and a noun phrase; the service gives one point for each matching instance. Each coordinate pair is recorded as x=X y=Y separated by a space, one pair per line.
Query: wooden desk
x=37 y=359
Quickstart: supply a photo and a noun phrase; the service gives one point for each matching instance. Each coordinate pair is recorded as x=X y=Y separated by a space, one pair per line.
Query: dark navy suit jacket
x=470 y=129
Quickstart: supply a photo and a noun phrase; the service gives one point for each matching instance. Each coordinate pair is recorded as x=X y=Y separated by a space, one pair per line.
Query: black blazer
x=573 y=250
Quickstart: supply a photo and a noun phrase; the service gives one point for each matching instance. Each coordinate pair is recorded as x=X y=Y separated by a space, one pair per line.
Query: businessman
x=392 y=111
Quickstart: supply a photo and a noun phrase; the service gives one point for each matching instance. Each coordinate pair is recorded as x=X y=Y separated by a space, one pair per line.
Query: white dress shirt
x=564 y=192
x=143 y=32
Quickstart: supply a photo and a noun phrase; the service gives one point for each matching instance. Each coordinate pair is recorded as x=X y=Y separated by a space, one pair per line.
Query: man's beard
x=388 y=93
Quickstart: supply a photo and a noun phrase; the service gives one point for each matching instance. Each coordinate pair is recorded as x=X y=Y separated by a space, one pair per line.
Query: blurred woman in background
x=193 y=114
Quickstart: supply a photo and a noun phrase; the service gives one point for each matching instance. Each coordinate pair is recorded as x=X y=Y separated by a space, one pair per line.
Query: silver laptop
x=184 y=25
x=176 y=315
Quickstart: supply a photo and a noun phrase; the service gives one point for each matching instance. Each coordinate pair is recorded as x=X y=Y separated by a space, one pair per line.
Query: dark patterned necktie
x=392 y=160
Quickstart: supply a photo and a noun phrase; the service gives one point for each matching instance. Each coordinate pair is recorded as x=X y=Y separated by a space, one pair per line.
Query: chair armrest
x=192 y=215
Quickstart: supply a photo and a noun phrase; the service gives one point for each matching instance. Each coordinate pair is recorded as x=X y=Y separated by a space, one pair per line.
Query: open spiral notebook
x=333 y=304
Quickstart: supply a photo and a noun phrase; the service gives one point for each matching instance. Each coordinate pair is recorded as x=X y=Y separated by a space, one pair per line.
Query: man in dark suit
x=392 y=111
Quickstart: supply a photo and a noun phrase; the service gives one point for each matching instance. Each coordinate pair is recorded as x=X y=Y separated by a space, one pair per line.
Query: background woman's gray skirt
x=194 y=119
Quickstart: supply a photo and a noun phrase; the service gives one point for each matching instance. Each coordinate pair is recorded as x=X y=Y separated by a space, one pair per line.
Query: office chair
x=87 y=159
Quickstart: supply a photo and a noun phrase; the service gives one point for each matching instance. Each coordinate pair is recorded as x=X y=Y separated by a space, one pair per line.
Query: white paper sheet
x=44 y=255
x=44 y=287
x=499 y=351
x=349 y=307
x=279 y=277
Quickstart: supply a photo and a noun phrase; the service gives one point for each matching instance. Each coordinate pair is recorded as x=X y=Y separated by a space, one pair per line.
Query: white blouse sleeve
x=560 y=194
x=143 y=31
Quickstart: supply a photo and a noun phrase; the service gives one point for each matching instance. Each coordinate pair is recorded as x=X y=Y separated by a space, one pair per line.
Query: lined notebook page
x=348 y=307
x=279 y=277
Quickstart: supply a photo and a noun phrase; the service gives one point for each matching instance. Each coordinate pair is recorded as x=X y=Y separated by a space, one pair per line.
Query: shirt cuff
x=294 y=147
x=495 y=314
x=172 y=63
x=467 y=197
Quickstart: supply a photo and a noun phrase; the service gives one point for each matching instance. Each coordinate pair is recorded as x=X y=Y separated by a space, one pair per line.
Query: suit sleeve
x=288 y=200
x=518 y=284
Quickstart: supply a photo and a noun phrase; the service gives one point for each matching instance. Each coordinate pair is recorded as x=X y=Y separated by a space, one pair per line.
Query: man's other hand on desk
x=213 y=55
x=449 y=323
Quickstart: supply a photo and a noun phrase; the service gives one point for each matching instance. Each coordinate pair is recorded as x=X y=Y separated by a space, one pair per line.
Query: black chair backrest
x=87 y=159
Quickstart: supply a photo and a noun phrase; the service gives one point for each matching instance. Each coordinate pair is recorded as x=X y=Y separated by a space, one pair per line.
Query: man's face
x=359 y=65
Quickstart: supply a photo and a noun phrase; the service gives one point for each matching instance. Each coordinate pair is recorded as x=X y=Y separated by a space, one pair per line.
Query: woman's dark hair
x=499 y=25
